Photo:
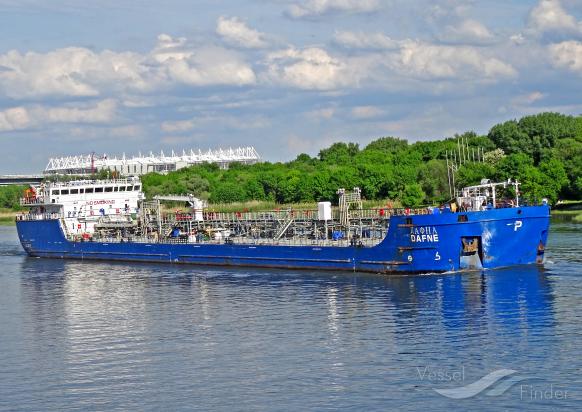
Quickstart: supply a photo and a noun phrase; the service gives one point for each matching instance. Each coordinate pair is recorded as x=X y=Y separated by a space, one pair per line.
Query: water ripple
x=100 y=336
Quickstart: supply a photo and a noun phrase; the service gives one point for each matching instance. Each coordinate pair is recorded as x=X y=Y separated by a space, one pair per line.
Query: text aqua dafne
x=424 y=234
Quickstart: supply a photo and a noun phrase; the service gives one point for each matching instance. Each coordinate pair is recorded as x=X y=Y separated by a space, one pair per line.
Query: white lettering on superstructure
x=421 y=234
x=99 y=202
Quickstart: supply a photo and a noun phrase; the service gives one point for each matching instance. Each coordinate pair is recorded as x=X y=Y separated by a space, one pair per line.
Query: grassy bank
x=568 y=206
x=574 y=215
x=7 y=216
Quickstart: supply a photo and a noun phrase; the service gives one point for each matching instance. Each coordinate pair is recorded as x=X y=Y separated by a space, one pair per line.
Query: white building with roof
x=139 y=165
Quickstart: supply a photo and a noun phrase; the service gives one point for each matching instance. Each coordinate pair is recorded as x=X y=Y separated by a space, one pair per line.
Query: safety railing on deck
x=39 y=216
x=283 y=215
x=32 y=201
x=362 y=242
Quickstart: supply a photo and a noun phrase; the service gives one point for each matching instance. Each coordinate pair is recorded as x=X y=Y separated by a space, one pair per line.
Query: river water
x=100 y=336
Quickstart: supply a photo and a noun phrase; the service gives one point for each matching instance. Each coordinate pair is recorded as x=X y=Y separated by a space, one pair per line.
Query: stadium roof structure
x=90 y=163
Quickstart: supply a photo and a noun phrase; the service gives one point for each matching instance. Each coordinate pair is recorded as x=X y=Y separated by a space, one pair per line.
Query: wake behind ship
x=112 y=220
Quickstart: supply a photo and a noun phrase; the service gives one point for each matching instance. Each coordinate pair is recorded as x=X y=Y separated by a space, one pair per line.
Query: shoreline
x=7 y=217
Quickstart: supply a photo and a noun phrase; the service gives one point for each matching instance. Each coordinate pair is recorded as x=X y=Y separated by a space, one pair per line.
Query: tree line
x=542 y=151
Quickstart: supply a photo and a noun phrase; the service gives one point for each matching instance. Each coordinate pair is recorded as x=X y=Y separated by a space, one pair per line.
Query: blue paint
x=420 y=243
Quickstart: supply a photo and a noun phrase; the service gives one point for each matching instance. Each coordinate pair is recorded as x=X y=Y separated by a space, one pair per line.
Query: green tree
x=10 y=196
x=537 y=150
x=196 y=185
x=531 y=135
x=387 y=145
x=412 y=195
x=569 y=151
x=471 y=174
x=227 y=193
x=254 y=190
x=493 y=157
x=433 y=178
x=339 y=153
x=555 y=178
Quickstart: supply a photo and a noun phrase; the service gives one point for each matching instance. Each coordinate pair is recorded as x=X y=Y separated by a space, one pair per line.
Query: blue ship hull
x=420 y=243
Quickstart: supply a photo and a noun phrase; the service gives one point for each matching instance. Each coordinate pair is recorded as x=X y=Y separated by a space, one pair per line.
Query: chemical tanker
x=110 y=220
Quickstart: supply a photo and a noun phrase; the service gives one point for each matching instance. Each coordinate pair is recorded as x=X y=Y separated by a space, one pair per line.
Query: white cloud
x=130 y=130
x=183 y=140
x=527 y=99
x=441 y=11
x=413 y=59
x=567 y=55
x=177 y=126
x=77 y=71
x=216 y=121
x=517 y=39
x=202 y=66
x=319 y=114
x=311 y=68
x=101 y=112
x=550 y=16
x=236 y=31
x=72 y=71
x=361 y=40
x=308 y=8
x=18 y=118
x=431 y=61
x=14 y=118
x=366 y=112
x=315 y=68
x=467 y=31
x=207 y=66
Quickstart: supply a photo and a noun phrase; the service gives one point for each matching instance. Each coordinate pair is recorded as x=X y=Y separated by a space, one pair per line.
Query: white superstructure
x=138 y=165
x=82 y=204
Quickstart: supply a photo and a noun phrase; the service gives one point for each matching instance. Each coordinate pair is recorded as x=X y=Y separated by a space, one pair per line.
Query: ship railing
x=31 y=201
x=238 y=240
x=85 y=182
x=366 y=242
x=39 y=216
x=304 y=214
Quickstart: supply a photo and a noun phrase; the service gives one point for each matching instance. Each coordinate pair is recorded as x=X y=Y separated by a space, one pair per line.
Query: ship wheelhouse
x=83 y=203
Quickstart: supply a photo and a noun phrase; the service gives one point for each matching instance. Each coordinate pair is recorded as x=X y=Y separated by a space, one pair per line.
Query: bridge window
x=136 y=188
x=109 y=189
x=82 y=190
x=89 y=190
x=122 y=188
x=115 y=189
x=98 y=190
x=55 y=192
x=65 y=192
x=129 y=188
x=74 y=191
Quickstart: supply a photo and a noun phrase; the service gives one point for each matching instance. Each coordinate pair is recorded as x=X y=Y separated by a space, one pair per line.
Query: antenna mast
x=459 y=157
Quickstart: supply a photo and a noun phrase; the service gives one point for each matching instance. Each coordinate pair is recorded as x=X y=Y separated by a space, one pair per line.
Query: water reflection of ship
x=509 y=296
x=88 y=318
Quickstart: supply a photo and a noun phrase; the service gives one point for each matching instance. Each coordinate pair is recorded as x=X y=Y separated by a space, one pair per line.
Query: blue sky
x=286 y=76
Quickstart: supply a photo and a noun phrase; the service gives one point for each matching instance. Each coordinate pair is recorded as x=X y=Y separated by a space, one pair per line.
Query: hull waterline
x=439 y=242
